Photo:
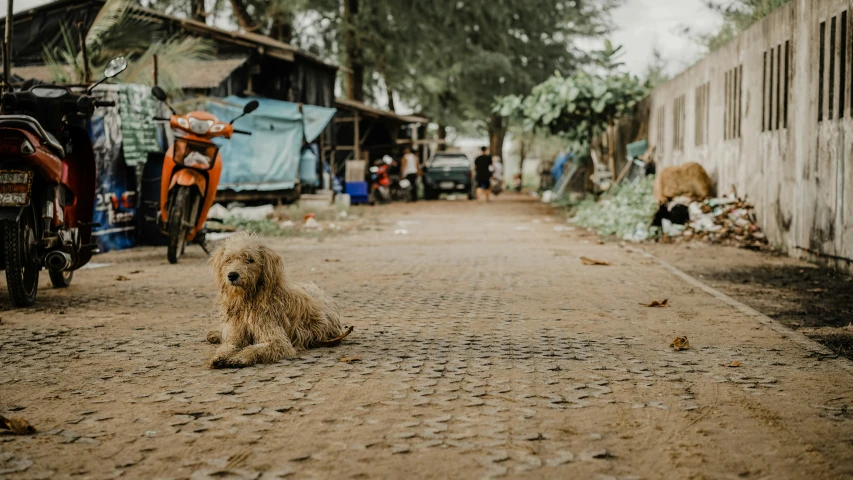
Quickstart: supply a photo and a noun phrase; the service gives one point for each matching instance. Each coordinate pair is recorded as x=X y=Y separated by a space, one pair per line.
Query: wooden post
x=7 y=49
x=357 y=136
x=156 y=71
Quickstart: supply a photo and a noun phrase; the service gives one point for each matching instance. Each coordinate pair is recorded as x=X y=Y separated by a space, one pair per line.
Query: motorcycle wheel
x=60 y=279
x=22 y=267
x=177 y=231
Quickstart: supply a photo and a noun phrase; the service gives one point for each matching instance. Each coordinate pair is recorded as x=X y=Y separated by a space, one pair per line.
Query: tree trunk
x=241 y=13
x=390 y=94
x=611 y=148
x=198 y=13
x=523 y=153
x=442 y=137
x=355 y=77
x=282 y=29
x=497 y=132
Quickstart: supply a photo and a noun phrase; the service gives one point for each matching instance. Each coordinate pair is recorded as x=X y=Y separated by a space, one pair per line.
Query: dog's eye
x=250 y=260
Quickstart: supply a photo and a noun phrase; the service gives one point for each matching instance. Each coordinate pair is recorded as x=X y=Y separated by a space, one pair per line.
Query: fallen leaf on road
x=590 y=261
x=350 y=359
x=680 y=343
x=333 y=260
x=18 y=426
x=135 y=272
x=656 y=303
x=122 y=278
x=734 y=364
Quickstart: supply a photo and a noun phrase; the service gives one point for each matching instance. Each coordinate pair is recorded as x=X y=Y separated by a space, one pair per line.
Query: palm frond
x=111 y=14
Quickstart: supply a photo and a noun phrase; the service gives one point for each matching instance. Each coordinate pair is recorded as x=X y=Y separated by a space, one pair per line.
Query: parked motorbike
x=191 y=173
x=380 y=182
x=401 y=189
x=47 y=184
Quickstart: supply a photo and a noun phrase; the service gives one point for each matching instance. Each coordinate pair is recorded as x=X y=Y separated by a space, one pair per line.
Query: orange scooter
x=191 y=173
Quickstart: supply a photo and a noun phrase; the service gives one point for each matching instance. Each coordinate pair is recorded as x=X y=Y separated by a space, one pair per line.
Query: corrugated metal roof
x=208 y=73
x=196 y=73
x=346 y=104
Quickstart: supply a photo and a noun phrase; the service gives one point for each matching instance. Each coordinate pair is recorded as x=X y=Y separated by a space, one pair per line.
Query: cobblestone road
x=485 y=349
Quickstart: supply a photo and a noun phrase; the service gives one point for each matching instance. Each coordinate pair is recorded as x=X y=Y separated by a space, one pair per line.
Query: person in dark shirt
x=483 y=173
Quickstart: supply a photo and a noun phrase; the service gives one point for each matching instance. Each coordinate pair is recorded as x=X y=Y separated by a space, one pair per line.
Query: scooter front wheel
x=176 y=226
x=22 y=267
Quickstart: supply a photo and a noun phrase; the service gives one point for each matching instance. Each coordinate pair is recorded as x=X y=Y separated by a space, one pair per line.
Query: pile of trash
x=270 y=221
x=621 y=212
x=726 y=220
x=630 y=212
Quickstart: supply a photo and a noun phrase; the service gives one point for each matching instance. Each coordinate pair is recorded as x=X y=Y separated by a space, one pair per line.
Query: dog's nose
x=233 y=276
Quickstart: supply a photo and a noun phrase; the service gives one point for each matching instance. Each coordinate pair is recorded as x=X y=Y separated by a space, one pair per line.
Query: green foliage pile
x=621 y=212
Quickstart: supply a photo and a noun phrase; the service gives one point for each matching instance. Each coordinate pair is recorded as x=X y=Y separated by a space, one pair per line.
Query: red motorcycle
x=380 y=181
x=47 y=184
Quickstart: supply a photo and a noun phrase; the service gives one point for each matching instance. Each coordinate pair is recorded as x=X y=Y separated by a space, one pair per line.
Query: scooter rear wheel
x=22 y=268
x=177 y=229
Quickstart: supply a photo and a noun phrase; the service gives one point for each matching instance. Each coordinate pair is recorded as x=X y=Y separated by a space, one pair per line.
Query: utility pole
x=7 y=48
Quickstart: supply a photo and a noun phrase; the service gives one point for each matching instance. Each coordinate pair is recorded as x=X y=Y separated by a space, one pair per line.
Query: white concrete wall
x=799 y=177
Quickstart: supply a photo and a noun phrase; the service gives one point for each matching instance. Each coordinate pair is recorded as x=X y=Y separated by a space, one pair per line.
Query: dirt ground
x=814 y=300
x=483 y=348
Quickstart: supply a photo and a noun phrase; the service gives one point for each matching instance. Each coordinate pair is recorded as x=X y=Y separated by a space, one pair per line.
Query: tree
x=578 y=107
x=115 y=32
x=738 y=15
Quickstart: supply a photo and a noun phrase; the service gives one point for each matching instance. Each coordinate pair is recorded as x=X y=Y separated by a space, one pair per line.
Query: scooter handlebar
x=104 y=103
x=163 y=119
x=242 y=131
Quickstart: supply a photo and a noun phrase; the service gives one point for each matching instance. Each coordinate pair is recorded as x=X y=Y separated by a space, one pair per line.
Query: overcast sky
x=641 y=24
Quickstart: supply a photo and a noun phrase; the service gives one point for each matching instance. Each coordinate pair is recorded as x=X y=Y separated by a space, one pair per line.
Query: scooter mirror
x=158 y=93
x=250 y=107
x=116 y=66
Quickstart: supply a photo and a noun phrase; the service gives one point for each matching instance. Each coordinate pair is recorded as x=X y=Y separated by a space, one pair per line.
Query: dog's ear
x=216 y=261
x=273 y=267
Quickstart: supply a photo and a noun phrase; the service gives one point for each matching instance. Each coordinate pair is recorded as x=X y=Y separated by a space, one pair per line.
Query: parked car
x=448 y=173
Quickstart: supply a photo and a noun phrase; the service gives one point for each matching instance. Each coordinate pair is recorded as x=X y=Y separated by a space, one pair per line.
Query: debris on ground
x=350 y=359
x=631 y=213
x=680 y=343
x=591 y=261
x=122 y=278
x=332 y=342
x=625 y=212
x=655 y=303
x=734 y=364
x=277 y=221
x=16 y=425
x=726 y=220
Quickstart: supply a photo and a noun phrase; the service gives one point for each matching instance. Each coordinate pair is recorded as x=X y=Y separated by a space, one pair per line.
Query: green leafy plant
x=580 y=106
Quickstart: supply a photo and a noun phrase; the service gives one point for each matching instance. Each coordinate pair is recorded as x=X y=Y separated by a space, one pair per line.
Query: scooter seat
x=33 y=126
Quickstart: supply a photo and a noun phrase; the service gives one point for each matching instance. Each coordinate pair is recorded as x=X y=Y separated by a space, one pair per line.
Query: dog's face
x=244 y=264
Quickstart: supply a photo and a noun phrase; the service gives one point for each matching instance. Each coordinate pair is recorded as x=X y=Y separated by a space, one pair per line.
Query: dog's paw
x=228 y=362
x=214 y=337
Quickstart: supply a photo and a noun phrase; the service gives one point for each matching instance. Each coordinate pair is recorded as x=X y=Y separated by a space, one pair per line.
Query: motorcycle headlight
x=217 y=128
x=197 y=160
x=200 y=127
x=194 y=154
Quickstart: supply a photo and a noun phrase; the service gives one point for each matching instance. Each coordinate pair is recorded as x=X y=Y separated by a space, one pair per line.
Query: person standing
x=483 y=173
x=411 y=170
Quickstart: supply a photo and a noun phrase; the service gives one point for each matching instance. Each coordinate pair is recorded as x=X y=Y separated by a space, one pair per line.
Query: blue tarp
x=269 y=158
x=557 y=169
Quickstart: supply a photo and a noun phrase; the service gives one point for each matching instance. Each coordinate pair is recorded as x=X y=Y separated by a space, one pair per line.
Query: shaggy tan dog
x=265 y=317
x=689 y=179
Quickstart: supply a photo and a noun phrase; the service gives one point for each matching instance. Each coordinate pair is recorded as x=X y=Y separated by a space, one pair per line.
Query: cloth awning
x=269 y=158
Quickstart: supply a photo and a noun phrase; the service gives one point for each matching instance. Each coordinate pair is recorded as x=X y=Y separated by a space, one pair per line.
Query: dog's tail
x=334 y=341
